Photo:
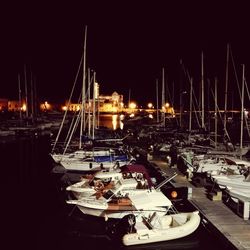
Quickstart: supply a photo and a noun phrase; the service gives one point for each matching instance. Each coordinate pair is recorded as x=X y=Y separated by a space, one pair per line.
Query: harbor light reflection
x=117 y=119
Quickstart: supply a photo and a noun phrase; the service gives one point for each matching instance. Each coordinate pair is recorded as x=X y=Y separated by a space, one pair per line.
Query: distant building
x=72 y=106
x=3 y=104
x=113 y=103
x=105 y=103
x=14 y=106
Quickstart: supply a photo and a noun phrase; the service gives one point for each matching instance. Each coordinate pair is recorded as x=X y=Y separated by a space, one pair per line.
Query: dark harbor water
x=36 y=216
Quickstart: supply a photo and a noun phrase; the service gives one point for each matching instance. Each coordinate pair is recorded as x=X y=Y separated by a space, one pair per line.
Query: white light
x=132 y=105
x=150 y=105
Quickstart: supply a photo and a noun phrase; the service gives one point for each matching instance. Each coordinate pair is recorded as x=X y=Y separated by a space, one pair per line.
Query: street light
x=132 y=105
x=150 y=105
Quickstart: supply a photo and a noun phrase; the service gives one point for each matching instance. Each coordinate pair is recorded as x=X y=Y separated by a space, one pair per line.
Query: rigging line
x=82 y=125
x=169 y=95
x=72 y=122
x=85 y=119
x=189 y=78
x=167 y=89
x=236 y=77
x=70 y=129
x=221 y=117
x=66 y=111
x=196 y=116
x=195 y=105
x=73 y=130
x=247 y=89
x=245 y=116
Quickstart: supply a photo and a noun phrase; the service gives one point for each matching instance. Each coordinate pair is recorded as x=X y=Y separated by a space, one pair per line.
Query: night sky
x=127 y=46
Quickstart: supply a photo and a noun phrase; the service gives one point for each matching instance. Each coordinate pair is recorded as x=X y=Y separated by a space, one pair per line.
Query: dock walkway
x=227 y=225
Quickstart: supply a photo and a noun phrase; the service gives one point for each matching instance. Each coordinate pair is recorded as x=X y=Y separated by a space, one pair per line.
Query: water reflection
x=112 y=121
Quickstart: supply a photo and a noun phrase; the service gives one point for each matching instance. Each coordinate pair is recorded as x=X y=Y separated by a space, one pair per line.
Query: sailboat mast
x=26 y=91
x=226 y=90
x=202 y=92
x=83 y=124
x=97 y=103
x=157 y=101
x=35 y=96
x=32 y=96
x=242 y=109
x=215 y=113
x=94 y=99
x=129 y=93
x=19 y=95
x=190 y=104
x=163 y=97
x=89 y=120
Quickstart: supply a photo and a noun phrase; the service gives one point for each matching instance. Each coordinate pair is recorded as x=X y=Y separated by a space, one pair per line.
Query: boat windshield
x=107 y=195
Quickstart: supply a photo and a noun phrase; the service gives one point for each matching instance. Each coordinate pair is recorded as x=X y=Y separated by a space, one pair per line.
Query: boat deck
x=226 y=224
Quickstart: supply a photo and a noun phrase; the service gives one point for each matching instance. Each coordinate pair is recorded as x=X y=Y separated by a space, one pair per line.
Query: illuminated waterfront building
x=3 y=104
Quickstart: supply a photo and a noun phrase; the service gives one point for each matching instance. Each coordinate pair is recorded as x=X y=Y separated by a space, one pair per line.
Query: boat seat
x=141 y=227
x=160 y=222
x=165 y=221
x=179 y=219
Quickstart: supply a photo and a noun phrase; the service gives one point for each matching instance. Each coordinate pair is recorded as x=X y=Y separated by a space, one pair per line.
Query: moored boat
x=161 y=228
x=126 y=196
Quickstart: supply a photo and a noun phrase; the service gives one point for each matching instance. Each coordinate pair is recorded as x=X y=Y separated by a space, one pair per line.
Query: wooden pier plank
x=229 y=224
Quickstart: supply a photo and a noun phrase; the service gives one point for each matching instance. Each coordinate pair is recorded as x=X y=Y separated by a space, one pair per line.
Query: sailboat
x=82 y=159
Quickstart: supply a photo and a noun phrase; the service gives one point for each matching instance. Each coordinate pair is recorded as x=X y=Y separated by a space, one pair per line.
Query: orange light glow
x=174 y=194
x=114 y=121
x=24 y=107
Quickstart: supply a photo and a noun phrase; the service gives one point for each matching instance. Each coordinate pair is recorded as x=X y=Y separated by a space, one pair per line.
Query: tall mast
x=242 y=109
x=89 y=120
x=20 y=97
x=181 y=93
x=83 y=124
x=35 y=96
x=94 y=90
x=202 y=92
x=157 y=102
x=163 y=96
x=32 y=96
x=216 y=113
x=190 y=104
x=226 y=90
x=98 y=110
x=129 y=93
x=26 y=91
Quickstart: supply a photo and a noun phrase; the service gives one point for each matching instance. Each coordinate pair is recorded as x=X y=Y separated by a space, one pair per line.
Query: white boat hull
x=145 y=236
x=79 y=154
x=234 y=181
x=116 y=214
x=90 y=166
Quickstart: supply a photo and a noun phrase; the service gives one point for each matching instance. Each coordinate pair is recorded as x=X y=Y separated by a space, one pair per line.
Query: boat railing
x=166 y=181
x=187 y=162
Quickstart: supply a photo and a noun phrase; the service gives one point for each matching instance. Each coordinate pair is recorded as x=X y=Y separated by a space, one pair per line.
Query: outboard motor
x=124 y=226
